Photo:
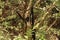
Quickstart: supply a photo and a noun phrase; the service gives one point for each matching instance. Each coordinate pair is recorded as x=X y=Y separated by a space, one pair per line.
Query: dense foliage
x=29 y=19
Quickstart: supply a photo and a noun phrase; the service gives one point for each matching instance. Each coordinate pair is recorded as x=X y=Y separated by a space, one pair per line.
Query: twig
x=51 y=25
x=28 y=8
x=37 y=2
x=46 y=14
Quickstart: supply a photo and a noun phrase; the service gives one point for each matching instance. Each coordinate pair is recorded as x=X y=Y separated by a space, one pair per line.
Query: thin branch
x=46 y=14
x=51 y=25
x=37 y=2
x=28 y=8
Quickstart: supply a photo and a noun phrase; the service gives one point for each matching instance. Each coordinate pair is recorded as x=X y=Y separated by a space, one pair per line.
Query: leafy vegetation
x=29 y=19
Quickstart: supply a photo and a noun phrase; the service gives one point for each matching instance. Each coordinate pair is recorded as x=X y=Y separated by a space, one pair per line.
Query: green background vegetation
x=12 y=26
